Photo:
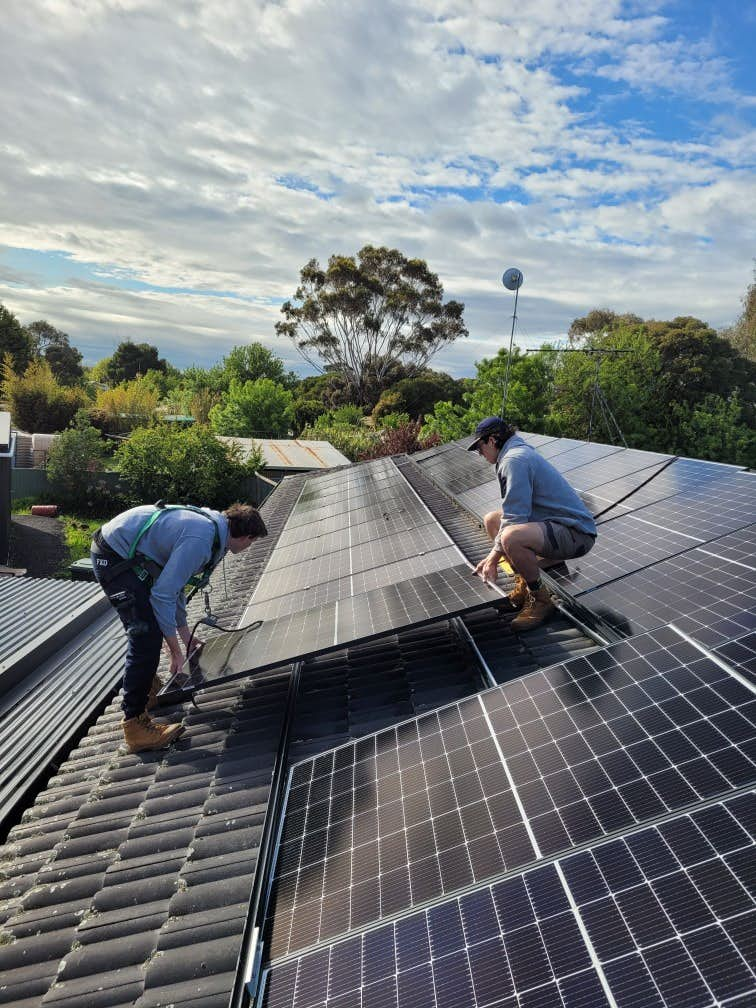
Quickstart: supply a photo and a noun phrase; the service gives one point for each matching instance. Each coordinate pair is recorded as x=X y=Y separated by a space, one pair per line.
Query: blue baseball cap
x=488 y=427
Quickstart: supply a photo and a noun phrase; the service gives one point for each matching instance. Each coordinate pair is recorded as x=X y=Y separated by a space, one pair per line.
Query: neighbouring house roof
x=293 y=454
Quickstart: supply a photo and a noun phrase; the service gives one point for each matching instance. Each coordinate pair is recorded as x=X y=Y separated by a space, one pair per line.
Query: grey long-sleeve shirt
x=533 y=491
x=181 y=542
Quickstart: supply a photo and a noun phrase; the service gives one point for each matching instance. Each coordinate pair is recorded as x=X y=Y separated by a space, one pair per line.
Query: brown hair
x=244 y=520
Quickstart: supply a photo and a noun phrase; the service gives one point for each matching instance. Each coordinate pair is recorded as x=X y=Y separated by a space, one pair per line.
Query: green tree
x=403 y=439
x=38 y=403
x=743 y=334
x=253 y=361
x=54 y=346
x=254 y=409
x=418 y=395
x=125 y=407
x=366 y=312
x=14 y=341
x=714 y=429
x=182 y=464
x=132 y=359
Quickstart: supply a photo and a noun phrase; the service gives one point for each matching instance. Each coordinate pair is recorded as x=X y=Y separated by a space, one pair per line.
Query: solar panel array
x=434 y=863
x=360 y=556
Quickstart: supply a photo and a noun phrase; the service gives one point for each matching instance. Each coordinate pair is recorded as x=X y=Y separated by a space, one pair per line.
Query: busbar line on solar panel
x=596 y=745
x=711 y=599
x=662 y=918
x=413 y=602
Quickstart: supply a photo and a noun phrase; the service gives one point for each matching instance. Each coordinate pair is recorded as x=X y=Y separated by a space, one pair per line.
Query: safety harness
x=145 y=568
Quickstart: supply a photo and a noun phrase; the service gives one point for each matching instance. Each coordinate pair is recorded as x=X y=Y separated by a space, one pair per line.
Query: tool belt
x=113 y=564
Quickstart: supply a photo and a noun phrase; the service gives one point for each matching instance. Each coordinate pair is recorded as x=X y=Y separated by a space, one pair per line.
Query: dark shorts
x=561 y=542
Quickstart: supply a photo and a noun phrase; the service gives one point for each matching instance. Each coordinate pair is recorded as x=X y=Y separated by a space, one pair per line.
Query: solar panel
x=623 y=545
x=551 y=449
x=536 y=440
x=711 y=598
x=663 y=916
x=621 y=464
x=681 y=475
x=560 y=758
x=322 y=628
x=740 y=546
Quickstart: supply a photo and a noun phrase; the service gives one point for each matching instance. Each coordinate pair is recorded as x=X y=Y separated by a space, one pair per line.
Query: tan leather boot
x=519 y=594
x=142 y=733
x=537 y=609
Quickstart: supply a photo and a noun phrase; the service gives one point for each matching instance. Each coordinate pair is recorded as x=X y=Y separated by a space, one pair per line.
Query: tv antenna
x=598 y=396
x=512 y=280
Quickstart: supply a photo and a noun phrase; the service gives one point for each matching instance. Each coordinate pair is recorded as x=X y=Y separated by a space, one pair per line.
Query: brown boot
x=155 y=686
x=519 y=594
x=536 y=610
x=142 y=733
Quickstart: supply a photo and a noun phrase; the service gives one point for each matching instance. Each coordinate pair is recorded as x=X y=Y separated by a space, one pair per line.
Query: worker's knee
x=525 y=536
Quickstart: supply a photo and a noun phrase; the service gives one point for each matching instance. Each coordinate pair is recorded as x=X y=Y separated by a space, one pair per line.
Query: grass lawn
x=79 y=532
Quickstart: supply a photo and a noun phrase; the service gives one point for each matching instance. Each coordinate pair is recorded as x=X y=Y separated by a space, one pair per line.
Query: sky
x=166 y=169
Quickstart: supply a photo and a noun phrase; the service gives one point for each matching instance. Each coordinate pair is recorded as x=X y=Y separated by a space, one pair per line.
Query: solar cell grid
x=739 y=547
x=681 y=475
x=586 y=452
x=657 y=918
x=623 y=546
x=623 y=463
x=536 y=440
x=551 y=449
x=740 y=653
x=340 y=517
x=709 y=512
x=600 y=743
x=482 y=499
x=711 y=599
x=349 y=501
x=310 y=595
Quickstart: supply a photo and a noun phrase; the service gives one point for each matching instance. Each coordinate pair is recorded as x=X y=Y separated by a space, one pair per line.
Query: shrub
x=75 y=464
x=399 y=441
x=178 y=464
x=125 y=407
x=38 y=403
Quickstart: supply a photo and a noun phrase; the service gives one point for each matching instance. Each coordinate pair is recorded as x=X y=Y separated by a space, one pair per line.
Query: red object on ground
x=45 y=510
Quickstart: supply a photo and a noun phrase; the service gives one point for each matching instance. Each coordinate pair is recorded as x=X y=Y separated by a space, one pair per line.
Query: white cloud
x=165 y=142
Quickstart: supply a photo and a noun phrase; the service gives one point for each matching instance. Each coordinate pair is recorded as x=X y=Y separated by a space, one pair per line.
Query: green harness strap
x=197 y=580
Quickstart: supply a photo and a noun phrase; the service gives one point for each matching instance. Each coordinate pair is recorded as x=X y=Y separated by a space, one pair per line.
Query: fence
x=34 y=483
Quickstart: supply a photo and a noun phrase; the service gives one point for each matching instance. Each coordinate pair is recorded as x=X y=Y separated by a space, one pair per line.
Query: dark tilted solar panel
x=583 y=454
x=334 y=517
x=312 y=511
x=679 y=476
x=662 y=917
x=740 y=653
x=353 y=559
x=305 y=548
x=598 y=744
x=316 y=630
x=709 y=597
x=621 y=464
x=623 y=546
x=457 y=471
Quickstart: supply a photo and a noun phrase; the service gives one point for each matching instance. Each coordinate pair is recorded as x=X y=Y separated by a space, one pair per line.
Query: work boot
x=155 y=686
x=537 y=609
x=142 y=733
x=519 y=594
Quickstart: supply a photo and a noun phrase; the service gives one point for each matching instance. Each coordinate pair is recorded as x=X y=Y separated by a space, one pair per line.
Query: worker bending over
x=143 y=559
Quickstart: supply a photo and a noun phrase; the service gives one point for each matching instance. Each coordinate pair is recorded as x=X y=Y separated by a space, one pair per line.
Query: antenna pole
x=509 y=355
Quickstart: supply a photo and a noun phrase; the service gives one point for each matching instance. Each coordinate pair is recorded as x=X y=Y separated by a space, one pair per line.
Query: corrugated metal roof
x=292 y=454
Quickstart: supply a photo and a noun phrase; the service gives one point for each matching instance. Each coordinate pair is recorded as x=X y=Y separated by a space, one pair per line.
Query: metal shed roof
x=292 y=454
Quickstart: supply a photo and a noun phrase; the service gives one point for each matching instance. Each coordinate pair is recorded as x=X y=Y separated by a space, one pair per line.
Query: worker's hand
x=488 y=568
x=177 y=655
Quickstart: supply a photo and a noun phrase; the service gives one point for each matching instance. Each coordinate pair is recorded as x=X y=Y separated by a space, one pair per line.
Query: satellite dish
x=513 y=278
